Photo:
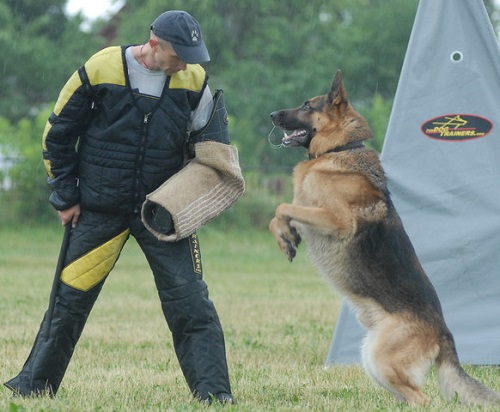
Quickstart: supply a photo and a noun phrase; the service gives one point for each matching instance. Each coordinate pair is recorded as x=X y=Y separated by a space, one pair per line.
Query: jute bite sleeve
x=209 y=184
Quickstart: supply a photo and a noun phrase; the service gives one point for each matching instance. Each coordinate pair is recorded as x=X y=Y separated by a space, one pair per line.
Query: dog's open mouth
x=295 y=138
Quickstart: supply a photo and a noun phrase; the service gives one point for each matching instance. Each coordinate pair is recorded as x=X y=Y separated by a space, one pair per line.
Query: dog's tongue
x=295 y=138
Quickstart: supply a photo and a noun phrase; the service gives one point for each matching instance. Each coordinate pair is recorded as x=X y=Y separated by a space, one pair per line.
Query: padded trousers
x=94 y=247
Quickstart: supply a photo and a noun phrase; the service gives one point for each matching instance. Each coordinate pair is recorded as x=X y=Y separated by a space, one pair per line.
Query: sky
x=93 y=8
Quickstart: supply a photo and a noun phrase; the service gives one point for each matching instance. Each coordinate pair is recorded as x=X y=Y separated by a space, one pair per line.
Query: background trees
x=266 y=55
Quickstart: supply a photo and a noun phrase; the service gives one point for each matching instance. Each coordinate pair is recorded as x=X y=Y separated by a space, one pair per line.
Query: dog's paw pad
x=291 y=253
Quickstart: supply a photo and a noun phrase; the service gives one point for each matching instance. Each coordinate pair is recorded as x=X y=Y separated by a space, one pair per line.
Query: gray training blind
x=442 y=159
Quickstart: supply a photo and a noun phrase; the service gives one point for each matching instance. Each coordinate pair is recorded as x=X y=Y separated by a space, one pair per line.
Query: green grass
x=278 y=319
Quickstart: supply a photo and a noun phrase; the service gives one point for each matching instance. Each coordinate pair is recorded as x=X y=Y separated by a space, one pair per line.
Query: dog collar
x=348 y=146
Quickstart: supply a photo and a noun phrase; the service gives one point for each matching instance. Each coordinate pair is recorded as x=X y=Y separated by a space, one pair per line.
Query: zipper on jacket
x=140 y=161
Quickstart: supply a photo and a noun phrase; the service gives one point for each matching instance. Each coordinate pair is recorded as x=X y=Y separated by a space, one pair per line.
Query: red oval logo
x=457 y=127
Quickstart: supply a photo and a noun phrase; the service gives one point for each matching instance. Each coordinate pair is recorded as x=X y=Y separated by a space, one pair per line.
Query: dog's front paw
x=287 y=236
x=289 y=241
x=291 y=238
x=288 y=248
x=295 y=236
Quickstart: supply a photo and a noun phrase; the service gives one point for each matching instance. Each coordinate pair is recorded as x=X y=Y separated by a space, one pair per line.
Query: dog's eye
x=306 y=105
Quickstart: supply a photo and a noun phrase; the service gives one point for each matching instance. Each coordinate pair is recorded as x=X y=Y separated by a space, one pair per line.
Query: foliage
x=40 y=47
x=266 y=55
x=24 y=189
x=377 y=115
x=255 y=209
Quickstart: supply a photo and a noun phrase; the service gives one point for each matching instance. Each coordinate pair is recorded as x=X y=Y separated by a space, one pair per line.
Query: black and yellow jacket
x=106 y=146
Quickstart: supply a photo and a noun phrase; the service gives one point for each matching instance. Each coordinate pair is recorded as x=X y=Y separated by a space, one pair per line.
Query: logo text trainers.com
x=455 y=127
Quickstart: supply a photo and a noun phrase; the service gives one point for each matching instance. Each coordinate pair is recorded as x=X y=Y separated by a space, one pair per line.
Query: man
x=118 y=132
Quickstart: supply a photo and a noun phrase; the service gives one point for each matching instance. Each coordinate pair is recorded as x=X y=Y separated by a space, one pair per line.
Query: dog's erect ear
x=338 y=94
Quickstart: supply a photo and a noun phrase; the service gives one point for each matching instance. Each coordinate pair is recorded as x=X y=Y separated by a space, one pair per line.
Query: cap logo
x=194 y=35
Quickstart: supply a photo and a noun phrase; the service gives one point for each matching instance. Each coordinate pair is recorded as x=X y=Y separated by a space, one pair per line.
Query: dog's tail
x=454 y=381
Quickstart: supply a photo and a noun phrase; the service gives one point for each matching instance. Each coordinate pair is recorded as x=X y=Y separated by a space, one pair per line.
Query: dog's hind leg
x=397 y=354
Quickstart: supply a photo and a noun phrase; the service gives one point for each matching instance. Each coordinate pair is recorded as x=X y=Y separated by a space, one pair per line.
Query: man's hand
x=70 y=215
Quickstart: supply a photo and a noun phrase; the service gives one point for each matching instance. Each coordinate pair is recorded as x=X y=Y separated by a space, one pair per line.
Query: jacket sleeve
x=64 y=127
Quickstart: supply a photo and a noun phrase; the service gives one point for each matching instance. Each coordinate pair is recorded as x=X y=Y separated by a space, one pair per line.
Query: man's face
x=166 y=58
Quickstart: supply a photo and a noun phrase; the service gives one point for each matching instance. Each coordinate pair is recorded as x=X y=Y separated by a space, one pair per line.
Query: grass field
x=278 y=319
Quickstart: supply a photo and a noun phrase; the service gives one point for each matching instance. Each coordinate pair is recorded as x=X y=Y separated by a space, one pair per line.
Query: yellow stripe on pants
x=90 y=269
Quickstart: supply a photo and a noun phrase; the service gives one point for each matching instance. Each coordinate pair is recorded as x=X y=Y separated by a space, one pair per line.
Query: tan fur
x=355 y=238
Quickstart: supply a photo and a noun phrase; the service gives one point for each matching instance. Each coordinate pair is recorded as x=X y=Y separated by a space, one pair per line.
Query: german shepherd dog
x=355 y=238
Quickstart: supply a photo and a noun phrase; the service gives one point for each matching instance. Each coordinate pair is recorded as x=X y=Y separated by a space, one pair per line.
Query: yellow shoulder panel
x=191 y=79
x=66 y=92
x=106 y=66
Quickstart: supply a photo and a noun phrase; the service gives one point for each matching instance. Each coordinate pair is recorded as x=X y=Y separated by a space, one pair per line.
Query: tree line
x=265 y=55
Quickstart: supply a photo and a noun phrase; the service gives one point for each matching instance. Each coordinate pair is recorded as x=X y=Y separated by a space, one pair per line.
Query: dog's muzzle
x=298 y=136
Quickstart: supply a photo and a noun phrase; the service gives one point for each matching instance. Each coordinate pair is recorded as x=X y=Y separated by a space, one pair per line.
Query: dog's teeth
x=293 y=133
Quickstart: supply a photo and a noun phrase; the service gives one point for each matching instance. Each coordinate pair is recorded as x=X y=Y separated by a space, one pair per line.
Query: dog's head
x=322 y=123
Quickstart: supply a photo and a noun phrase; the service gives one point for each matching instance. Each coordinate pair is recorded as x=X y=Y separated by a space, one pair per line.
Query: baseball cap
x=184 y=33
